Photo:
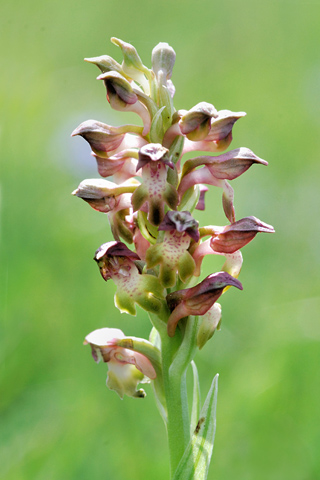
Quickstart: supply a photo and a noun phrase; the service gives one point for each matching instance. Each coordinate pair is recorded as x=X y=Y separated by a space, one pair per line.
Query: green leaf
x=195 y=462
x=195 y=412
x=156 y=129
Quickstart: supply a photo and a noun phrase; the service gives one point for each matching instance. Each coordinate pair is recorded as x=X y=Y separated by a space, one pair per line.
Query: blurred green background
x=58 y=419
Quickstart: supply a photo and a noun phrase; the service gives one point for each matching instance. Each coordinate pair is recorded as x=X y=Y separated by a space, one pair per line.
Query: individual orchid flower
x=219 y=135
x=199 y=299
x=123 y=98
x=102 y=194
x=232 y=237
x=102 y=137
x=227 y=166
x=216 y=171
x=196 y=123
x=126 y=368
x=114 y=148
x=227 y=241
x=205 y=128
x=132 y=64
x=154 y=189
x=172 y=253
x=112 y=199
x=116 y=261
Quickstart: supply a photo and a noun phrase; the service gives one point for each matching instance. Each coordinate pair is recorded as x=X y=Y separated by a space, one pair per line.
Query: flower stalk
x=156 y=257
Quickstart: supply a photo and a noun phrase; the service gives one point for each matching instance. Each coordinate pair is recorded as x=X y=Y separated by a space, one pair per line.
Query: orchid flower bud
x=126 y=368
x=163 y=59
x=132 y=64
x=106 y=64
x=199 y=299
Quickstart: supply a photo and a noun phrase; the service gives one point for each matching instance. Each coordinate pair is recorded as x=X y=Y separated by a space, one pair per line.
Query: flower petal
x=238 y=234
x=197 y=300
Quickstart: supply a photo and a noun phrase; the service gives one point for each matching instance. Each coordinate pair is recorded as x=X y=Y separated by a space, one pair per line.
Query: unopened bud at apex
x=132 y=64
x=163 y=59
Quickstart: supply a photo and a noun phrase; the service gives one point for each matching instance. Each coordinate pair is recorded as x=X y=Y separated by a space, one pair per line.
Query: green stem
x=178 y=423
x=187 y=349
x=176 y=354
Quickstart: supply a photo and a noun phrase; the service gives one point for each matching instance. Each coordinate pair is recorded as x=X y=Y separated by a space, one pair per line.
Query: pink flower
x=205 y=128
x=126 y=368
x=235 y=236
x=117 y=262
x=154 y=189
x=199 y=299
x=114 y=148
x=123 y=97
x=216 y=171
x=172 y=253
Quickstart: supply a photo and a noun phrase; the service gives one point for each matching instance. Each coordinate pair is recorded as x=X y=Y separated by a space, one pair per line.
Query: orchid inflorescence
x=156 y=256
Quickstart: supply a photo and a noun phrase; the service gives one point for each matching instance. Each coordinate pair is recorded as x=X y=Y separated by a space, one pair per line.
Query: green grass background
x=58 y=419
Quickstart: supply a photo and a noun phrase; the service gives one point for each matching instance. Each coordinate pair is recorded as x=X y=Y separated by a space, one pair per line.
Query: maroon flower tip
x=250 y=224
x=115 y=249
x=199 y=299
x=181 y=222
x=238 y=234
x=152 y=152
x=221 y=280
